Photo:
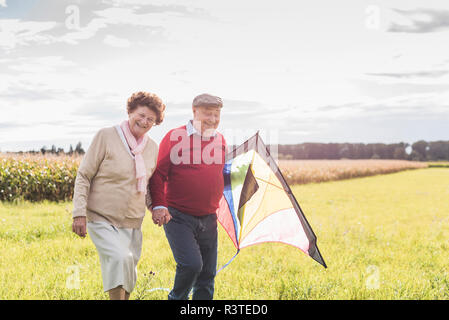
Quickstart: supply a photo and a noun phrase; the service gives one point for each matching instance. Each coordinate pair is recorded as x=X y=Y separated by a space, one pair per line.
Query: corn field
x=37 y=178
x=50 y=177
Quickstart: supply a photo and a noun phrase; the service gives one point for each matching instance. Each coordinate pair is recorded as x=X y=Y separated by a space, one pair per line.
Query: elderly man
x=186 y=188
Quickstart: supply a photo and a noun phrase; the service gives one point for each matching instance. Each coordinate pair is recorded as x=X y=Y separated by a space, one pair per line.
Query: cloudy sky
x=315 y=71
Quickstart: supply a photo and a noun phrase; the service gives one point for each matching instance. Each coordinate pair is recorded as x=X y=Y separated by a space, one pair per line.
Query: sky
x=353 y=71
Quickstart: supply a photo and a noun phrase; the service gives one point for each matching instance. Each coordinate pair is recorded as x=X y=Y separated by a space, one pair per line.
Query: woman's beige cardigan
x=106 y=184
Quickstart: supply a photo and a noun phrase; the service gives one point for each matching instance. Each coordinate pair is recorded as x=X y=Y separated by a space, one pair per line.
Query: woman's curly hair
x=149 y=100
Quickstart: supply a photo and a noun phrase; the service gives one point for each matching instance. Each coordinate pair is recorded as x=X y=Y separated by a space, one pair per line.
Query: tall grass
x=383 y=237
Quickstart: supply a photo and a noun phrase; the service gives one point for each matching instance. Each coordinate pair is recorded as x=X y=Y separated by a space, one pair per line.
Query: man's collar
x=191 y=129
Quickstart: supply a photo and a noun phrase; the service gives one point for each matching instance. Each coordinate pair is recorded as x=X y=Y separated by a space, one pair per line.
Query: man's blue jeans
x=193 y=241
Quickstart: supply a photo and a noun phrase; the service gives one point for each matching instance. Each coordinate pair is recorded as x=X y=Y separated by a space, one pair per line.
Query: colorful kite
x=257 y=204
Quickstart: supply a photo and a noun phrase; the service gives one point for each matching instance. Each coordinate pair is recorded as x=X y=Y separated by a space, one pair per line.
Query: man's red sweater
x=189 y=172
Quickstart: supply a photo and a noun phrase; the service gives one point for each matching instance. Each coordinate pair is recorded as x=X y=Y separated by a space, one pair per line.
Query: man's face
x=209 y=117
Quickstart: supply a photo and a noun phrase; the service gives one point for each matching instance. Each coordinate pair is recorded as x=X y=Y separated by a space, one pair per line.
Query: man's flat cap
x=207 y=100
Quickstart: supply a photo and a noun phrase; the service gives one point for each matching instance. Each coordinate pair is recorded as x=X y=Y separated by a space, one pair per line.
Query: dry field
x=310 y=171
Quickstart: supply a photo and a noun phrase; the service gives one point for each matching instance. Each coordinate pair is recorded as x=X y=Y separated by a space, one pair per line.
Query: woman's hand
x=79 y=226
x=161 y=216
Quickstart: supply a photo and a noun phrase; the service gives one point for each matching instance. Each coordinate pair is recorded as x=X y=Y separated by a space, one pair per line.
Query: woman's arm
x=86 y=172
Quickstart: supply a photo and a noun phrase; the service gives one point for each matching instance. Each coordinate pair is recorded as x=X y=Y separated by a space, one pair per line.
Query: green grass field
x=382 y=237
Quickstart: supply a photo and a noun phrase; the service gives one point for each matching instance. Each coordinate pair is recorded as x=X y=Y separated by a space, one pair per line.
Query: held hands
x=161 y=216
x=79 y=226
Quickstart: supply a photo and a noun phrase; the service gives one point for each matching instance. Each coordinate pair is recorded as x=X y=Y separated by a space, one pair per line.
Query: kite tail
x=229 y=261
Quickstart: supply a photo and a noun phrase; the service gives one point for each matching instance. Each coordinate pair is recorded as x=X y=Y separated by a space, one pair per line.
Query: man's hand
x=161 y=216
x=79 y=226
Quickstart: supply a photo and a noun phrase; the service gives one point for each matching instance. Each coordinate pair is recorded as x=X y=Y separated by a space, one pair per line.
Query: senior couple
x=180 y=182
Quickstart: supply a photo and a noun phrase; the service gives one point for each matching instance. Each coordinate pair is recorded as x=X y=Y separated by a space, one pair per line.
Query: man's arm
x=160 y=174
x=157 y=183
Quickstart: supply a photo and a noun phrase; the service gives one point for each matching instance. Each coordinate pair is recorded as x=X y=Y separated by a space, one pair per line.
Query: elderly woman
x=110 y=190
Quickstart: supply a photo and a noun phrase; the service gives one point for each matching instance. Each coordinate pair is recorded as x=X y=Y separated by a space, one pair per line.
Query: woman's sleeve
x=148 y=200
x=86 y=172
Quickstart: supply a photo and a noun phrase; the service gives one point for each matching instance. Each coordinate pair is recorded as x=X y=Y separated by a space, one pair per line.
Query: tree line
x=418 y=151
x=58 y=151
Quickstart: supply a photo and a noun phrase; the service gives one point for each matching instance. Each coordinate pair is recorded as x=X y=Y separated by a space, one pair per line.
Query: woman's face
x=141 y=120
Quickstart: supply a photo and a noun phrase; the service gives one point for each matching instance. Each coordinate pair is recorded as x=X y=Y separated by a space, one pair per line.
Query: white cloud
x=114 y=41
x=85 y=33
x=17 y=32
x=40 y=64
x=3 y=3
x=305 y=65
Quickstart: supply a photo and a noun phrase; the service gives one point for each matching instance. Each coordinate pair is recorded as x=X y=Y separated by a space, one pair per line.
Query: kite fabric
x=258 y=205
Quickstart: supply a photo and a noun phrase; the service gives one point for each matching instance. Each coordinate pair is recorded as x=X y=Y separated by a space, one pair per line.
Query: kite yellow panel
x=269 y=198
